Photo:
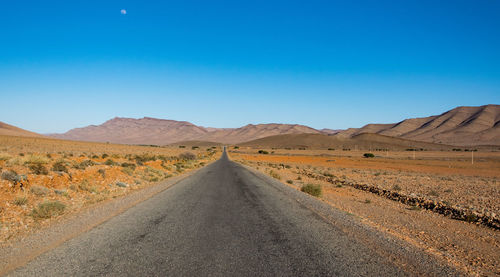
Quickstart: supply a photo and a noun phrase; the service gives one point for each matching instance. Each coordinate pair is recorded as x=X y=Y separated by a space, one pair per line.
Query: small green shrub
x=368 y=155
x=263 y=152
x=141 y=159
x=10 y=175
x=104 y=156
x=274 y=175
x=84 y=164
x=38 y=169
x=48 y=209
x=129 y=165
x=187 y=156
x=109 y=162
x=60 y=166
x=289 y=182
x=20 y=201
x=314 y=190
x=61 y=192
x=39 y=190
x=85 y=186
x=128 y=170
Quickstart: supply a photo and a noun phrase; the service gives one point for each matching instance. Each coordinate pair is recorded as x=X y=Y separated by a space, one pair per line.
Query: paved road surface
x=226 y=220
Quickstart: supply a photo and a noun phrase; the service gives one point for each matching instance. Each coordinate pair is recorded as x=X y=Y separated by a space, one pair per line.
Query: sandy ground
x=445 y=176
x=91 y=173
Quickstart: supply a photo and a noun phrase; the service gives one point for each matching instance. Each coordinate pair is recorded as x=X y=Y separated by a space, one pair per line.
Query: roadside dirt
x=474 y=249
x=60 y=178
x=19 y=251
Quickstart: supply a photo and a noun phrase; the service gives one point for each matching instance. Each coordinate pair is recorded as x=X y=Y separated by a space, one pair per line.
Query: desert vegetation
x=42 y=179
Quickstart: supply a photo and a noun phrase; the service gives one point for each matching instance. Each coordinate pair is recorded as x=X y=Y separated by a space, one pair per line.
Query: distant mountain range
x=462 y=126
x=365 y=141
x=162 y=132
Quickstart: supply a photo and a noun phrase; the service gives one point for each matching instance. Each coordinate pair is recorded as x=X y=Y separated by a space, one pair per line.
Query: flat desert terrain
x=447 y=177
x=45 y=179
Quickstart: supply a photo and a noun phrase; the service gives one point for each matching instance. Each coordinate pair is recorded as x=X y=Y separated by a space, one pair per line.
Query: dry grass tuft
x=48 y=209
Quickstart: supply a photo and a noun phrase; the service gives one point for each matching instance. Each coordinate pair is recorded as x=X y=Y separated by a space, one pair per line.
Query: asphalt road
x=227 y=220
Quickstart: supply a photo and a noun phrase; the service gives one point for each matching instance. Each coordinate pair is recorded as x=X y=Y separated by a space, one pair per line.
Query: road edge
x=23 y=250
x=391 y=245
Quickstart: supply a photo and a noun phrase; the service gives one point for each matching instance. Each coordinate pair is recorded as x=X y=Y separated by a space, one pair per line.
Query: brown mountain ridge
x=364 y=141
x=462 y=126
x=162 y=132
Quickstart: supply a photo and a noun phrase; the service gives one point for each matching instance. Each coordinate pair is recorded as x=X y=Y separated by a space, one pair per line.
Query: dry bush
x=36 y=159
x=39 y=190
x=48 y=209
x=314 y=190
x=187 y=156
x=85 y=186
x=10 y=175
x=20 y=201
x=60 y=166
x=83 y=165
x=128 y=170
x=38 y=169
x=274 y=175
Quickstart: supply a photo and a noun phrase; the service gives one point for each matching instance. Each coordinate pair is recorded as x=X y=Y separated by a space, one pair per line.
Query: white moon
x=123 y=11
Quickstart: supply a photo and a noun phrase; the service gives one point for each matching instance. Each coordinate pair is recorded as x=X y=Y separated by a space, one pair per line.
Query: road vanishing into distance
x=227 y=220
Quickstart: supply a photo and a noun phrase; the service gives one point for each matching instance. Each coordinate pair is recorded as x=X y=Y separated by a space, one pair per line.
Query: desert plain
x=44 y=180
x=467 y=180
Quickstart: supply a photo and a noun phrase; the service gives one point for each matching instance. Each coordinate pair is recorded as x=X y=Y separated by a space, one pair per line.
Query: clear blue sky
x=326 y=64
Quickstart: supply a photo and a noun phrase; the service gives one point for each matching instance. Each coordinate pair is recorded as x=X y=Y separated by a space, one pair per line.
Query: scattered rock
x=440 y=207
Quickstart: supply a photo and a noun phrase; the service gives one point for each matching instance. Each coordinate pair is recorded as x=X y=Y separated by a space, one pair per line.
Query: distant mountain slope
x=9 y=130
x=136 y=131
x=161 y=132
x=251 y=131
x=361 y=142
x=460 y=126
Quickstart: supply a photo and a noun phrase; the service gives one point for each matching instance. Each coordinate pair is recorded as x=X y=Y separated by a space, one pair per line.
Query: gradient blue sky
x=326 y=64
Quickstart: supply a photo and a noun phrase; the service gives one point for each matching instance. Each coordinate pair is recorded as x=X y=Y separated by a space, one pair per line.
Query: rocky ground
x=472 y=248
x=38 y=186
